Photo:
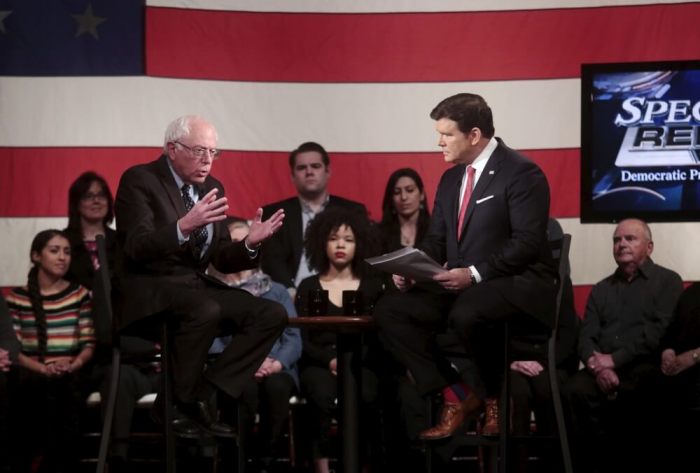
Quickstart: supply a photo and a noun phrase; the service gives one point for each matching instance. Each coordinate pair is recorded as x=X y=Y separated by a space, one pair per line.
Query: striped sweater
x=68 y=320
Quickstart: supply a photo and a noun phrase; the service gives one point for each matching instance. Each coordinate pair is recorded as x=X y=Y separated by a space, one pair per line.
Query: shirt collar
x=306 y=208
x=480 y=162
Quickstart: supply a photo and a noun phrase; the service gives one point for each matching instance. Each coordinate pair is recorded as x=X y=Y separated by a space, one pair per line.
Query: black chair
x=499 y=448
x=117 y=360
x=162 y=326
x=560 y=251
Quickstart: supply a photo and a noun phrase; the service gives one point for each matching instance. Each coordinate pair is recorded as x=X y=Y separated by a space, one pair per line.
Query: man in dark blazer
x=498 y=263
x=310 y=168
x=169 y=227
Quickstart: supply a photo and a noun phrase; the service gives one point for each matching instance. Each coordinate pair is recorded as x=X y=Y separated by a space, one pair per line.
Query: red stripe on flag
x=412 y=47
x=43 y=176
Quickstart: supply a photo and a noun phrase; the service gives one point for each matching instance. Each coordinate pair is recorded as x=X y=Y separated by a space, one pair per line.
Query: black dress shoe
x=183 y=427
x=201 y=414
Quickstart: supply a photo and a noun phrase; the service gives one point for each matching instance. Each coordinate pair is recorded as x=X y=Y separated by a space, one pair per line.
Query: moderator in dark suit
x=161 y=275
x=500 y=267
x=282 y=253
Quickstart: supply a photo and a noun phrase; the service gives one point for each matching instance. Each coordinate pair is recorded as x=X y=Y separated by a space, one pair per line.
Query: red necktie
x=465 y=199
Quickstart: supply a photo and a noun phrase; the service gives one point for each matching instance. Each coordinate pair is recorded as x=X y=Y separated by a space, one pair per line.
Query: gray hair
x=179 y=128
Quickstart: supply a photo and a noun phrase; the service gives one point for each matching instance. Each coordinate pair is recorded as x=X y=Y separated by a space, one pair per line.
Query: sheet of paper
x=408 y=262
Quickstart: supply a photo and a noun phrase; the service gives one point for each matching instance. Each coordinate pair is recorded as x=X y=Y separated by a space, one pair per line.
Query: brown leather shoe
x=490 y=428
x=451 y=417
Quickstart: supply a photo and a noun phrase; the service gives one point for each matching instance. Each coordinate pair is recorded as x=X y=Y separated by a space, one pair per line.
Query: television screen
x=640 y=141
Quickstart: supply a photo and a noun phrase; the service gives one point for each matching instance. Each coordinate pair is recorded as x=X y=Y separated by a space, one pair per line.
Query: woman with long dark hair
x=90 y=211
x=53 y=323
x=405 y=214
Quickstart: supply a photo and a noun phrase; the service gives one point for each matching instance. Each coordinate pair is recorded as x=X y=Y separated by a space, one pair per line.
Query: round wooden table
x=349 y=346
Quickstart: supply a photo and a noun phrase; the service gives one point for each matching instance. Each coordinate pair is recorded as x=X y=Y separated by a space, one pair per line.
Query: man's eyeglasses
x=200 y=151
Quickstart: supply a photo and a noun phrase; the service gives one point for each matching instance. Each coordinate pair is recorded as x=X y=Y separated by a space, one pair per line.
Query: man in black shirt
x=626 y=315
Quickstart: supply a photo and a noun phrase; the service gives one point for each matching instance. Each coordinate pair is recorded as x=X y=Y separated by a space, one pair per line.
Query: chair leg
x=504 y=407
x=561 y=424
x=167 y=390
x=240 y=441
x=110 y=405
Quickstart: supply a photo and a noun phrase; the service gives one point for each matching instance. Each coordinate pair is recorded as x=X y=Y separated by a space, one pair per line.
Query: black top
x=8 y=339
x=320 y=345
x=83 y=272
x=628 y=319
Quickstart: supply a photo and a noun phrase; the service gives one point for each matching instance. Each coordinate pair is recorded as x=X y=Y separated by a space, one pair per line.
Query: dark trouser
x=205 y=311
x=320 y=387
x=609 y=433
x=408 y=323
x=6 y=433
x=134 y=383
x=48 y=411
x=270 y=398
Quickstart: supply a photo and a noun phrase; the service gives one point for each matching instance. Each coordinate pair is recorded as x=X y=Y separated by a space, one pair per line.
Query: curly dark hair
x=38 y=244
x=77 y=191
x=469 y=111
x=327 y=222
x=389 y=225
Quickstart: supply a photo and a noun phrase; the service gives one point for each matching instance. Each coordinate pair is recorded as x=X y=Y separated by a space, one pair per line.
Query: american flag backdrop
x=92 y=84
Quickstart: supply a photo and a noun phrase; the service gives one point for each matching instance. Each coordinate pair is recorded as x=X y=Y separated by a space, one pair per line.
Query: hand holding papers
x=408 y=262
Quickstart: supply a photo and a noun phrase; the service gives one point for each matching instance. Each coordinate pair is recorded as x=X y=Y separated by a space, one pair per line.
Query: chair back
x=104 y=280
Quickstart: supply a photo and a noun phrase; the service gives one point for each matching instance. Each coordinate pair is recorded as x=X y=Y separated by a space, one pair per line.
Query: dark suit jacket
x=505 y=230
x=283 y=251
x=151 y=263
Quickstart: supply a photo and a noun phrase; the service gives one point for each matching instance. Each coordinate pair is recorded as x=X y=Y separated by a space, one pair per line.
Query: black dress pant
x=613 y=432
x=269 y=398
x=203 y=311
x=408 y=323
x=47 y=414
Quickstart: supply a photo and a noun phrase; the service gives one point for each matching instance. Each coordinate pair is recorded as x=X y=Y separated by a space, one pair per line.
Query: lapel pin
x=491 y=171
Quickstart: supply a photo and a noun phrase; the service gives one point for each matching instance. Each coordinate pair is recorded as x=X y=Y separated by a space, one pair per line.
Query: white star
x=3 y=14
x=87 y=22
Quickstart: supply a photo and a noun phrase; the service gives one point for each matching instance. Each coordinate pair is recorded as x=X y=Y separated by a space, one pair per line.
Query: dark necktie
x=465 y=200
x=199 y=235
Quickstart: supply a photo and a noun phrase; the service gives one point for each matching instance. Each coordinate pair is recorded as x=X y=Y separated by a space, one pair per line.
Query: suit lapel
x=480 y=190
x=170 y=187
x=296 y=231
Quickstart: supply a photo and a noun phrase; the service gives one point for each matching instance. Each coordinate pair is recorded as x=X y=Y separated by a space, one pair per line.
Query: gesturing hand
x=207 y=210
x=261 y=231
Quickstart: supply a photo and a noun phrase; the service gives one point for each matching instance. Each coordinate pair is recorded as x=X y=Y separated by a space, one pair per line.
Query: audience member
x=405 y=214
x=498 y=262
x=679 y=410
x=169 y=227
x=626 y=316
x=284 y=258
x=9 y=349
x=337 y=242
x=52 y=322
x=277 y=378
x=90 y=211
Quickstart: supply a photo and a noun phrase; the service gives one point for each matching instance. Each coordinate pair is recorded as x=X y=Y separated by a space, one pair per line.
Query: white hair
x=181 y=127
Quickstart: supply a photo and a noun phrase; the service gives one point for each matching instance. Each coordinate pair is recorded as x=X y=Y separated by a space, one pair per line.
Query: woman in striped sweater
x=52 y=321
